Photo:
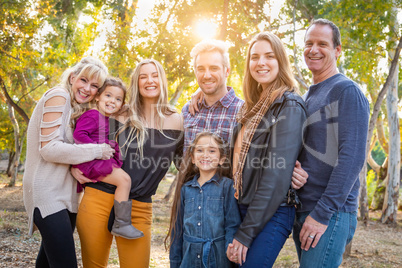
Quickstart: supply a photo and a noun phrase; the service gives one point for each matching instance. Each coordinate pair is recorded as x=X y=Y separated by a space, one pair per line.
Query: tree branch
x=299 y=76
x=8 y=55
x=380 y=98
x=163 y=28
x=370 y=160
x=23 y=96
x=381 y=135
x=224 y=26
x=19 y=110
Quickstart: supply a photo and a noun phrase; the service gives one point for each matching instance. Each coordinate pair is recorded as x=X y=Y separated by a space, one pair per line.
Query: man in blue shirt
x=333 y=153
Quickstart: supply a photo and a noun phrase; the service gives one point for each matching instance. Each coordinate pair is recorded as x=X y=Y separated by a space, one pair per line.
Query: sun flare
x=206 y=29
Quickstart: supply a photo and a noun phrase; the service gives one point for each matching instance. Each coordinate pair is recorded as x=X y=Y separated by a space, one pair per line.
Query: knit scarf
x=250 y=119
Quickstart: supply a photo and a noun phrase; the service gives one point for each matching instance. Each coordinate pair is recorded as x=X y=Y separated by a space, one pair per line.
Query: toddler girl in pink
x=93 y=127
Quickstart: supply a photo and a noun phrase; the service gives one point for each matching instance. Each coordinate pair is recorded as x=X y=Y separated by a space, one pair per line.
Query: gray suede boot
x=122 y=223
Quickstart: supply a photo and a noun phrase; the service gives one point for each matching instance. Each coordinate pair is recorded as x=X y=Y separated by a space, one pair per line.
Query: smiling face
x=110 y=100
x=264 y=67
x=83 y=88
x=206 y=155
x=211 y=74
x=148 y=82
x=319 y=52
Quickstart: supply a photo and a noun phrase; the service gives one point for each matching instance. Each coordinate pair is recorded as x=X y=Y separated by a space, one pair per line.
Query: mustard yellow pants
x=96 y=240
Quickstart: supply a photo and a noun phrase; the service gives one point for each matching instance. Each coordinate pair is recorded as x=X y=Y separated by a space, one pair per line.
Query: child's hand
x=239 y=252
x=231 y=254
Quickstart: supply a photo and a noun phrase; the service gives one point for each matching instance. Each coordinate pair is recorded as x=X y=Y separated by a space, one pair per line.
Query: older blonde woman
x=50 y=192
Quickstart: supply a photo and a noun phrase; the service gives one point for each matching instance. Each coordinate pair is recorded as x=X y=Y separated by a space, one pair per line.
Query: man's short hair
x=209 y=45
x=336 y=34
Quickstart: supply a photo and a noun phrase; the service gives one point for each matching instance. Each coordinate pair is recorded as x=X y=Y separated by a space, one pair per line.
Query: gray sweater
x=334 y=148
x=47 y=182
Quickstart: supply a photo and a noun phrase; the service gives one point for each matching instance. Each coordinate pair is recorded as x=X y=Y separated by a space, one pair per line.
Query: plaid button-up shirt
x=219 y=118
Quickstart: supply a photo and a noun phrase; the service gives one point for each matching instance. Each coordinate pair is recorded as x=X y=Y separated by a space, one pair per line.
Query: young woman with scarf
x=266 y=144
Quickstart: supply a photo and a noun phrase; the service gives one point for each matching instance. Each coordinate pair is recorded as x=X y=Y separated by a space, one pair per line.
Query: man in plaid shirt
x=217 y=111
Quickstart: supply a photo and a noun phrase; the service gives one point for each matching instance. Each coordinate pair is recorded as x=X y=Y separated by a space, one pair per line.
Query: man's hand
x=77 y=174
x=196 y=98
x=299 y=176
x=311 y=233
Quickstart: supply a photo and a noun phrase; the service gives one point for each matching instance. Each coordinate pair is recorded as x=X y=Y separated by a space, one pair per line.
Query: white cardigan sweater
x=47 y=182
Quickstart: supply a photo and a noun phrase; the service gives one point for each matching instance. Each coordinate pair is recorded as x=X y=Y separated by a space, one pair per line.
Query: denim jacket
x=207 y=220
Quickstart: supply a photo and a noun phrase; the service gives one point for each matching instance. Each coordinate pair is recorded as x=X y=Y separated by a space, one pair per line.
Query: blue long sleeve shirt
x=334 y=149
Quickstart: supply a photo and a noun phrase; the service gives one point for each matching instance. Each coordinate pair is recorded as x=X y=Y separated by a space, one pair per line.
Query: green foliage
x=40 y=39
x=371 y=185
x=378 y=154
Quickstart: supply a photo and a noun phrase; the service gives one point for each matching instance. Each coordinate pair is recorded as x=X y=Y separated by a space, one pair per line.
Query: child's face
x=206 y=155
x=110 y=100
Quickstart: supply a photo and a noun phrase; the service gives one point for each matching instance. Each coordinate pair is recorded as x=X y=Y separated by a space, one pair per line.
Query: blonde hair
x=285 y=80
x=136 y=118
x=209 y=45
x=89 y=67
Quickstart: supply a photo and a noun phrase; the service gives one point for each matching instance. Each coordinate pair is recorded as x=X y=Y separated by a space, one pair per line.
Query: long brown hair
x=285 y=80
x=114 y=82
x=188 y=170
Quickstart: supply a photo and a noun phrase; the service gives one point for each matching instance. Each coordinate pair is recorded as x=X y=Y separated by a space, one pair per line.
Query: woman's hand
x=107 y=151
x=299 y=176
x=77 y=174
x=237 y=252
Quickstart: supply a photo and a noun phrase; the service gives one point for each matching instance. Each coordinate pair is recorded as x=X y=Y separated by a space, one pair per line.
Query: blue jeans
x=266 y=246
x=330 y=248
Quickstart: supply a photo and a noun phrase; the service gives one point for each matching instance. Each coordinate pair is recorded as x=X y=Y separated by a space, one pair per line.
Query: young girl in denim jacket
x=205 y=214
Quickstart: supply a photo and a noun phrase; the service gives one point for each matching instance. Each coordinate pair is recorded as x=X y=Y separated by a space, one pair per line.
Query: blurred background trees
x=40 y=39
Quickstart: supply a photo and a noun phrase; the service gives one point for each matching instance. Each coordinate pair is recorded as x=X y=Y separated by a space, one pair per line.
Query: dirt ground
x=376 y=245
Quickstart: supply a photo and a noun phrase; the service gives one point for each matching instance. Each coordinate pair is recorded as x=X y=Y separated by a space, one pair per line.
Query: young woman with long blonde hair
x=150 y=135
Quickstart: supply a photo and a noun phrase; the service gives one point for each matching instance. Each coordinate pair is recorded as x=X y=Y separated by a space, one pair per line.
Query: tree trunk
x=390 y=206
x=348 y=250
x=224 y=26
x=10 y=102
x=363 y=200
x=378 y=196
x=299 y=76
x=11 y=157
x=17 y=145
x=363 y=181
x=171 y=189
x=179 y=89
